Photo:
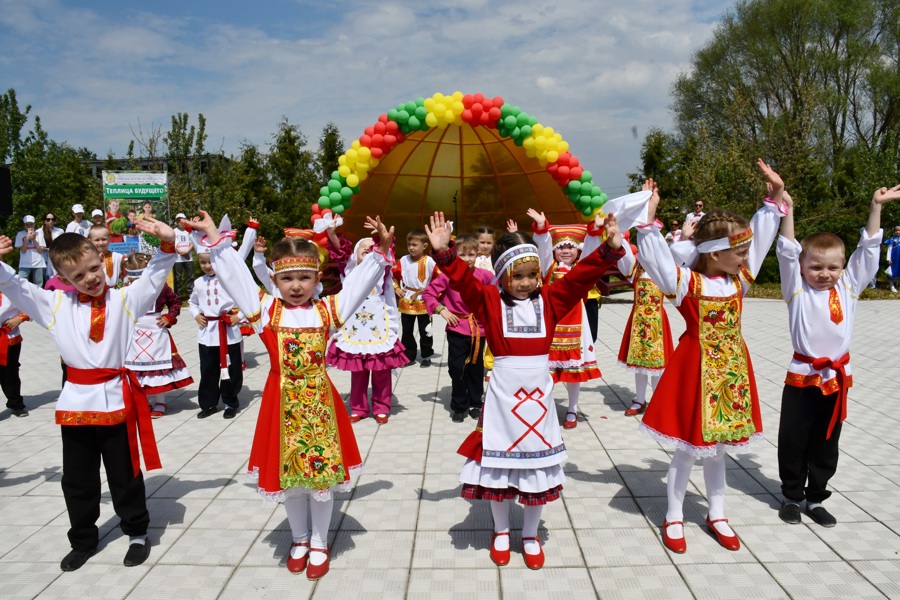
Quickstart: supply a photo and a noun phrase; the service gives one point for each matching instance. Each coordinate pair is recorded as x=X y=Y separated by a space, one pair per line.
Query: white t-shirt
x=694 y=216
x=182 y=243
x=79 y=228
x=29 y=257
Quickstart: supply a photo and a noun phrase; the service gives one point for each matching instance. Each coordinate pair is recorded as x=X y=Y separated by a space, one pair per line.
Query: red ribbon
x=224 y=321
x=137 y=412
x=840 y=407
x=4 y=345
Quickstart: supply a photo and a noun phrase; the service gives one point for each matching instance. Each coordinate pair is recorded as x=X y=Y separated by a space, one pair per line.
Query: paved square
x=403 y=532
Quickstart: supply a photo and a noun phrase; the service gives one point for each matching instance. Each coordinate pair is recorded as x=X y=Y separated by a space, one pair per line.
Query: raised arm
x=368 y=273
x=540 y=229
x=141 y=295
x=457 y=271
x=37 y=303
x=863 y=263
x=249 y=239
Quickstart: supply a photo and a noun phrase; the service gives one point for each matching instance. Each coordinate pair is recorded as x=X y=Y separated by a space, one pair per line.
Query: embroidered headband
x=726 y=243
x=571 y=235
x=509 y=259
x=296 y=263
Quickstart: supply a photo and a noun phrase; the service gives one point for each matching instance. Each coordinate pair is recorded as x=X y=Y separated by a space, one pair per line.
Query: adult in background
x=31 y=254
x=183 y=271
x=697 y=214
x=45 y=235
x=674 y=234
x=79 y=224
x=97 y=217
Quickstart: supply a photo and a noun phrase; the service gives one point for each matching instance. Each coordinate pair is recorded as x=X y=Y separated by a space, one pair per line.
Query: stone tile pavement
x=403 y=532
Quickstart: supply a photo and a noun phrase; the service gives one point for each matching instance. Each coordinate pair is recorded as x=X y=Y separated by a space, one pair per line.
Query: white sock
x=676 y=487
x=812 y=505
x=158 y=399
x=654 y=379
x=137 y=539
x=296 y=507
x=640 y=389
x=530 y=529
x=714 y=476
x=321 y=520
x=500 y=512
x=574 y=390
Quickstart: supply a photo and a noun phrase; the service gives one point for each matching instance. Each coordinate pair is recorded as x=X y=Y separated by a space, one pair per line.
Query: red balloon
x=573 y=162
x=392 y=127
x=477 y=109
x=390 y=141
x=564 y=159
x=498 y=101
x=563 y=171
x=365 y=140
x=315 y=208
x=478 y=98
x=467 y=116
x=575 y=172
x=380 y=128
x=485 y=119
x=401 y=137
x=494 y=114
x=369 y=130
x=377 y=140
x=383 y=118
x=467 y=101
x=552 y=168
x=377 y=152
x=326 y=211
x=487 y=104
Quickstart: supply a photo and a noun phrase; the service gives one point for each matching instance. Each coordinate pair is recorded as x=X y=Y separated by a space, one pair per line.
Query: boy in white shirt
x=183 y=272
x=78 y=224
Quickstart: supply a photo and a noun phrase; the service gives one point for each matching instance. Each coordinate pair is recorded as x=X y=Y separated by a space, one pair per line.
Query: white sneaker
x=893 y=289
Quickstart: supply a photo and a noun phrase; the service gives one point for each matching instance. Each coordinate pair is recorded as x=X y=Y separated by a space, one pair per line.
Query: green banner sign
x=134 y=191
x=134 y=184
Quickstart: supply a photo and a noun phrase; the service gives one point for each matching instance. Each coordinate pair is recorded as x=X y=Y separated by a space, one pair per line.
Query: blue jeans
x=33 y=274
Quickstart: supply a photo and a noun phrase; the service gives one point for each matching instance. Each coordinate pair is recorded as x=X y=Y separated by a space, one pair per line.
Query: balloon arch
x=474 y=157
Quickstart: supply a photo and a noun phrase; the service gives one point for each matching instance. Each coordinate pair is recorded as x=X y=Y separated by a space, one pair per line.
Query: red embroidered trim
x=89 y=417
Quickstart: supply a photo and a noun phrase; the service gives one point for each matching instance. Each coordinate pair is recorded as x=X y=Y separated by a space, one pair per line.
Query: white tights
x=640 y=388
x=677 y=483
x=296 y=506
x=532 y=519
x=574 y=391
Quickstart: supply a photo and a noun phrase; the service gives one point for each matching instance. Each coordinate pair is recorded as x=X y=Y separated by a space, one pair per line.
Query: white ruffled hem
x=320 y=495
x=571 y=364
x=173 y=376
x=642 y=370
x=699 y=451
x=525 y=480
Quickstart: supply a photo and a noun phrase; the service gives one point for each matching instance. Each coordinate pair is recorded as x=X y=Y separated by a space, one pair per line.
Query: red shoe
x=533 y=561
x=636 y=411
x=354 y=418
x=500 y=557
x=381 y=419
x=297 y=565
x=676 y=545
x=314 y=572
x=729 y=542
x=567 y=424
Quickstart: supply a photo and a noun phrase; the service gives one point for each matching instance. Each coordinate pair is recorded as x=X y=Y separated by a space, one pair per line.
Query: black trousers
x=592 y=308
x=183 y=278
x=211 y=389
x=466 y=380
x=83 y=446
x=10 y=382
x=805 y=458
x=408 y=338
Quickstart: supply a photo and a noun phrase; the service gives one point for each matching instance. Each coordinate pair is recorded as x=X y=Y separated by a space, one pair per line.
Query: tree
x=330 y=148
x=293 y=175
x=12 y=120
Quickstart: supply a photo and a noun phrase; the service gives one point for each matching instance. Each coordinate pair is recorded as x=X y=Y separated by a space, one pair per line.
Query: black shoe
x=459 y=417
x=474 y=412
x=206 y=412
x=137 y=554
x=19 y=412
x=230 y=413
x=821 y=516
x=75 y=559
x=789 y=512
x=426 y=362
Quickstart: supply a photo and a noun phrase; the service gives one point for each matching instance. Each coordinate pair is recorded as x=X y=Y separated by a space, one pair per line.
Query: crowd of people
x=520 y=313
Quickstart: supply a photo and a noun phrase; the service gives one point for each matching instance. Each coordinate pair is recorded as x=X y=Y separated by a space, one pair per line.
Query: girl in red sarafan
x=706 y=400
x=517 y=450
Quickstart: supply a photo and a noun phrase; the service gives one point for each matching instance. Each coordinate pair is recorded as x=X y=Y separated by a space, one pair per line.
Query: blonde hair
x=715 y=224
x=466 y=241
x=820 y=243
x=69 y=249
x=293 y=246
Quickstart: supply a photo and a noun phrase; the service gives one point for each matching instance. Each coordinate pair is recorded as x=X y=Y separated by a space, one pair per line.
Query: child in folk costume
x=465 y=348
x=821 y=296
x=368 y=343
x=893 y=259
x=304 y=444
x=518 y=451
x=412 y=274
x=102 y=409
x=706 y=400
x=485 y=237
x=10 y=350
x=112 y=261
x=218 y=338
x=572 y=359
x=153 y=356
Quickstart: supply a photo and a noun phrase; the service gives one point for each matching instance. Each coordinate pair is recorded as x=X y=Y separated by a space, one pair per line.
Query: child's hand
x=449 y=317
x=539 y=219
x=201 y=320
x=161 y=321
x=688 y=229
x=613 y=235
x=885 y=195
x=512 y=226
x=234 y=319
x=650 y=185
x=260 y=245
x=773 y=178
x=12 y=323
x=438 y=233
x=161 y=230
x=205 y=224
x=6 y=245
x=787 y=198
x=385 y=235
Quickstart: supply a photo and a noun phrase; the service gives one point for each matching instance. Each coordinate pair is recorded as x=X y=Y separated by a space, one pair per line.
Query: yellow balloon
x=547 y=132
x=540 y=142
x=449 y=116
x=528 y=144
x=557 y=137
x=457 y=96
x=439 y=108
x=361 y=167
x=563 y=146
x=362 y=175
x=355 y=145
x=352 y=157
x=429 y=104
x=530 y=152
x=352 y=180
x=551 y=144
x=537 y=129
x=344 y=170
x=431 y=120
x=458 y=107
x=373 y=162
x=552 y=156
x=342 y=159
x=364 y=153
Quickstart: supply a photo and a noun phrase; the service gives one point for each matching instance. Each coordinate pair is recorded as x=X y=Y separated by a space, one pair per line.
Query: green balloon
x=355 y=189
x=324 y=191
x=604 y=196
x=526 y=130
x=392 y=114
x=323 y=197
x=414 y=123
x=586 y=177
x=586 y=189
x=324 y=202
x=532 y=121
x=510 y=122
x=346 y=193
x=334 y=185
x=603 y=200
x=346 y=203
x=335 y=198
x=587 y=211
x=337 y=209
x=584 y=201
x=522 y=119
x=405 y=128
x=574 y=186
x=420 y=101
x=595 y=191
x=516 y=133
x=421 y=113
x=596 y=202
x=410 y=107
x=504 y=111
x=519 y=141
x=403 y=117
x=502 y=130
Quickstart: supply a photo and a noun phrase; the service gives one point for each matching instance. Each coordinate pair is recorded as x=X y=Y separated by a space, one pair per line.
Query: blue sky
x=591 y=69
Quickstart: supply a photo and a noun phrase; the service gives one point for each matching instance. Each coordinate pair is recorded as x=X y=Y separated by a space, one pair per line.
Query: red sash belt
x=137 y=412
x=474 y=337
x=224 y=321
x=840 y=407
x=4 y=345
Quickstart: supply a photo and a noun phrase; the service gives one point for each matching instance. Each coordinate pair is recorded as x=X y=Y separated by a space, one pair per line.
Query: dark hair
x=293 y=246
x=136 y=261
x=47 y=229
x=466 y=241
x=70 y=248
x=505 y=242
x=484 y=229
x=417 y=234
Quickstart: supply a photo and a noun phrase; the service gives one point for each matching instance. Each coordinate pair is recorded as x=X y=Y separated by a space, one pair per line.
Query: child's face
x=148 y=208
x=86 y=274
x=113 y=206
x=98 y=220
x=468 y=255
x=100 y=240
x=485 y=244
x=897 y=231
x=131 y=215
x=78 y=217
x=730 y=261
x=206 y=264
x=365 y=246
x=416 y=247
x=821 y=269
x=524 y=279
x=565 y=254
x=296 y=287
